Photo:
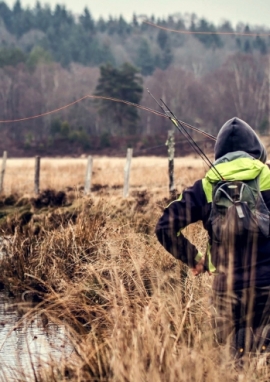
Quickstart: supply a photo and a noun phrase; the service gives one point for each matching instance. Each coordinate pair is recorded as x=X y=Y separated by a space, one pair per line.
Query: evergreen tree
x=226 y=27
x=135 y=21
x=6 y=15
x=111 y=25
x=43 y=17
x=259 y=44
x=247 y=47
x=11 y=57
x=22 y=20
x=101 y=25
x=38 y=55
x=166 y=58
x=17 y=8
x=238 y=43
x=209 y=40
x=87 y=21
x=125 y=84
x=162 y=39
x=123 y=27
x=145 y=60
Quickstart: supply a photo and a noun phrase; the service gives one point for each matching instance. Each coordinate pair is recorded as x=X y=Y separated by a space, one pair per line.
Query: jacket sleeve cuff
x=198 y=257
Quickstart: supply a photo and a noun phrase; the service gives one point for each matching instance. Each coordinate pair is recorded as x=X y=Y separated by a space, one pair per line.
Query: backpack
x=238 y=209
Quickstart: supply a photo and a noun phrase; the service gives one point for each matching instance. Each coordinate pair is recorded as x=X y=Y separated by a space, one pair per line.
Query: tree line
x=65 y=38
x=49 y=58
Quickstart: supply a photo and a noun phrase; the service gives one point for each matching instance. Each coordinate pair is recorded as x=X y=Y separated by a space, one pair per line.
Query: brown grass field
x=133 y=313
x=146 y=172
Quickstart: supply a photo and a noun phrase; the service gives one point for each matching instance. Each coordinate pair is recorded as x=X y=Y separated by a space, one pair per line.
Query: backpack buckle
x=239 y=210
x=234 y=192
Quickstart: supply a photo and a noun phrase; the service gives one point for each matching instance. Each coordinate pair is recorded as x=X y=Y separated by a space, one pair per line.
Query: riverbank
x=95 y=266
x=92 y=264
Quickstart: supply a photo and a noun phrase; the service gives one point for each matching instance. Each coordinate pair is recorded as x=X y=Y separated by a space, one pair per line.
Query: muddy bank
x=49 y=239
x=59 y=242
x=93 y=264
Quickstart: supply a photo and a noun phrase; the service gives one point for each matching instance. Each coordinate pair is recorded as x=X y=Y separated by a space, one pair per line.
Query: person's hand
x=199 y=268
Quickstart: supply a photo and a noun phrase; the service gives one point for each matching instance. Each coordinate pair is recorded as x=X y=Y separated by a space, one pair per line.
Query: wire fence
x=24 y=176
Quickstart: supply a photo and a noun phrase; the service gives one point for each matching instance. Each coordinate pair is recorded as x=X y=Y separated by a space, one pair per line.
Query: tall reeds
x=132 y=312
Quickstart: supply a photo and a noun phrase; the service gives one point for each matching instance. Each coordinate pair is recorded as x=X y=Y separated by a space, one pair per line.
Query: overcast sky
x=254 y=12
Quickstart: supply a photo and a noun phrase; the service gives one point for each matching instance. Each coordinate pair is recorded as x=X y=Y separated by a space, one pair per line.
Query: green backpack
x=238 y=209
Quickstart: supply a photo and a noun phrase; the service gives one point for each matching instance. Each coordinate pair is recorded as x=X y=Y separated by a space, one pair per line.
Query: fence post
x=37 y=174
x=88 y=175
x=3 y=170
x=170 y=143
x=127 y=172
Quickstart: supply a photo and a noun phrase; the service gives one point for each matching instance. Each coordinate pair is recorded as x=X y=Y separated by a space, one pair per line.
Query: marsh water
x=25 y=347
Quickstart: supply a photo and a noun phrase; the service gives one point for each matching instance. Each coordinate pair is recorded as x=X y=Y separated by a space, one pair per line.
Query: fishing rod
x=182 y=129
x=193 y=143
x=208 y=135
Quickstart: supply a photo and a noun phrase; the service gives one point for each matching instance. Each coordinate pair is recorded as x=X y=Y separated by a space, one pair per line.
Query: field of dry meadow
x=149 y=173
x=93 y=264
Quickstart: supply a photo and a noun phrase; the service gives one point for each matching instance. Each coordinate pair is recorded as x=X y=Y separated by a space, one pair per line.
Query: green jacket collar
x=238 y=169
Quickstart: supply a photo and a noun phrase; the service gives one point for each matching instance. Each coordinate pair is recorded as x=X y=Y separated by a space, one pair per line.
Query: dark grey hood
x=237 y=135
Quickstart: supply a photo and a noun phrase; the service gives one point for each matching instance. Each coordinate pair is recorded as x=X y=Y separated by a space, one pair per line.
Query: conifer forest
x=50 y=57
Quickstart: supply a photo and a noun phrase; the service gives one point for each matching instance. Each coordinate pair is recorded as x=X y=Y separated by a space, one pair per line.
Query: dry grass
x=132 y=311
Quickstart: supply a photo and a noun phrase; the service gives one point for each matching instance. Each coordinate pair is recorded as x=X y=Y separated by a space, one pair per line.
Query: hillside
x=50 y=58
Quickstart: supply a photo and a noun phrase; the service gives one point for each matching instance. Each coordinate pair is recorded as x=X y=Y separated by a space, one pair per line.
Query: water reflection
x=24 y=348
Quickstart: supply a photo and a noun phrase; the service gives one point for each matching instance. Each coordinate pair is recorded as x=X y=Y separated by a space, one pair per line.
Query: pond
x=28 y=345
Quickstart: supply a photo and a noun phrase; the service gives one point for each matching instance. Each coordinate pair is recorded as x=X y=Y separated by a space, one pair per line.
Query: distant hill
x=50 y=58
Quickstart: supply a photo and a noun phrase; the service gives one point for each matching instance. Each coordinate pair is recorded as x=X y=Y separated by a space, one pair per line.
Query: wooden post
x=3 y=171
x=37 y=173
x=88 y=175
x=127 y=172
x=170 y=143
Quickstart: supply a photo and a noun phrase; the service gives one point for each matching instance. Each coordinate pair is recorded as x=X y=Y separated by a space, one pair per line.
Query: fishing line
x=182 y=31
x=196 y=147
x=184 y=132
x=145 y=108
x=81 y=99
x=210 y=136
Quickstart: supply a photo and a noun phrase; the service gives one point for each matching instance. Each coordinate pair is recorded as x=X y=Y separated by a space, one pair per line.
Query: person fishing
x=233 y=202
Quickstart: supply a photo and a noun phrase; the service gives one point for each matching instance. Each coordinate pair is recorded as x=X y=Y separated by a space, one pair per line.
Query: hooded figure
x=241 y=263
x=237 y=135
